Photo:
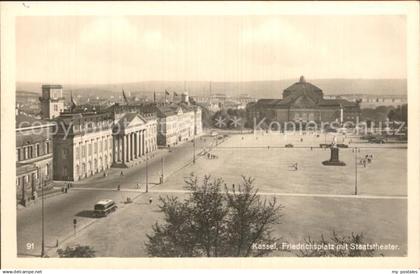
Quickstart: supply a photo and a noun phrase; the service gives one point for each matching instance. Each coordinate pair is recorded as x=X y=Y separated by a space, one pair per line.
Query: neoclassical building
x=134 y=138
x=176 y=122
x=304 y=102
x=83 y=145
x=88 y=143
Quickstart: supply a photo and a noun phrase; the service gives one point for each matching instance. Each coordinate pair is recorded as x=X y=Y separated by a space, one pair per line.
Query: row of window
x=95 y=145
x=33 y=177
x=32 y=151
x=83 y=169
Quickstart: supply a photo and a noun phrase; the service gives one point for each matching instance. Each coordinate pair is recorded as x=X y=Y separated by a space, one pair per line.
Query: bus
x=103 y=207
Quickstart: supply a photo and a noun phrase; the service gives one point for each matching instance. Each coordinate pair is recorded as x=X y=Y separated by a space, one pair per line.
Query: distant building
x=305 y=102
x=374 y=101
x=52 y=101
x=34 y=157
x=176 y=122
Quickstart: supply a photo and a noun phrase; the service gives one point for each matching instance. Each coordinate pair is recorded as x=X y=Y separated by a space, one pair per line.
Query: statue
x=334 y=159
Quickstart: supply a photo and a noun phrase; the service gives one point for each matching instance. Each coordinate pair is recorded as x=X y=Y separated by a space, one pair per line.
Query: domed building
x=304 y=102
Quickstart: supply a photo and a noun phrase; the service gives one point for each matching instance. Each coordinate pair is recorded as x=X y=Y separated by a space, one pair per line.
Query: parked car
x=213 y=133
x=289 y=146
x=324 y=145
x=377 y=141
x=342 y=146
x=103 y=207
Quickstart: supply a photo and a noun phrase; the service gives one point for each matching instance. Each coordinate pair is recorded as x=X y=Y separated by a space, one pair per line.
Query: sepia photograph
x=210 y=134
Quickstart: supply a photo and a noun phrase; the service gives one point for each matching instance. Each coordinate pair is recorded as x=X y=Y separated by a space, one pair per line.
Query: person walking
x=122 y=173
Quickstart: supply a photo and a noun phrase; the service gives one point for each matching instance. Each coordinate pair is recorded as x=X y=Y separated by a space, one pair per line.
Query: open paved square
x=318 y=199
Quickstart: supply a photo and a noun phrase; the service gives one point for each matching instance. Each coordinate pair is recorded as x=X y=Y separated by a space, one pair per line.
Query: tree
x=213 y=222
x=76 y=252
x=335 y=241
x=399 y=114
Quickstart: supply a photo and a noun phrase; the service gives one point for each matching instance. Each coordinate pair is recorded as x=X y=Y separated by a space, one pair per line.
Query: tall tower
x=52 y=101
x=184 y=97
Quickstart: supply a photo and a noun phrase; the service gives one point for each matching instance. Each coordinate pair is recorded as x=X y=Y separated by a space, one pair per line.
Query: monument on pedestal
x=334 y=159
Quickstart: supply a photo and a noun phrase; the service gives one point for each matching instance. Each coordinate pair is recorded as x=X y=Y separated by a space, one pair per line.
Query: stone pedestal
x=334 y=159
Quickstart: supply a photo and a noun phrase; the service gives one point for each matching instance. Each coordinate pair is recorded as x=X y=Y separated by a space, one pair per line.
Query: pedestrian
x=233 y=187
x=122 y=173
x=296 y=166
x=364 y=163
x=118 y=187
x=150 y=200
x=301 y=140
x=138 y=186
x=311 y=148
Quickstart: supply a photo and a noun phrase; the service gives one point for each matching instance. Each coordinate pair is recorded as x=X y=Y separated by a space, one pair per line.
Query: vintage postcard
x=208 y=134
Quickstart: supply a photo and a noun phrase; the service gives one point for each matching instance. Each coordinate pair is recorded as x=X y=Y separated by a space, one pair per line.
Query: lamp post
x=355 y=170
x=194 y=151
x=162 y=171
x=40 y=179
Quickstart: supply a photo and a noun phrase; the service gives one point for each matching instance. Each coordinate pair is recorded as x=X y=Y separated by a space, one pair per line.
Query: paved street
x=62 y=209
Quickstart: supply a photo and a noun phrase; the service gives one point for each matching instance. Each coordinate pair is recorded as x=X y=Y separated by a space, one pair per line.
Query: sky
x=105 y=50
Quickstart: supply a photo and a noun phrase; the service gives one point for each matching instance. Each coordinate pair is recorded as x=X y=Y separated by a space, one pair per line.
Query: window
x=95 y=147
x=46 y=148
x=37 y=150
x=83 y=151
x=18 y=154
x=25 y=153
x=64 y=152
x=31 y=152
x=90 y=150
x=55 y=108
x=77 y=153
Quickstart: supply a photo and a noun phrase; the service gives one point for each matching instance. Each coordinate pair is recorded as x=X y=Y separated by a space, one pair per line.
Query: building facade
x=34 y=158
x=83 y=145
x=52 y=101
x=303 y=102
x=134 y=138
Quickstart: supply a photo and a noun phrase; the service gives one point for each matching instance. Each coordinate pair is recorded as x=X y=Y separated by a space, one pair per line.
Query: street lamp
x=40 y=179
x=194 y=151
x=355 y=170
x=161 y=177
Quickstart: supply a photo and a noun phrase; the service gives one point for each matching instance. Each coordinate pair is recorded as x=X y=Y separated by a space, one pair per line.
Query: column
x=132 y=145
x=127 y=140
x=118 y=148
x=136 y=144
x=113 y=148
x=144 y=142
x=122 y=138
